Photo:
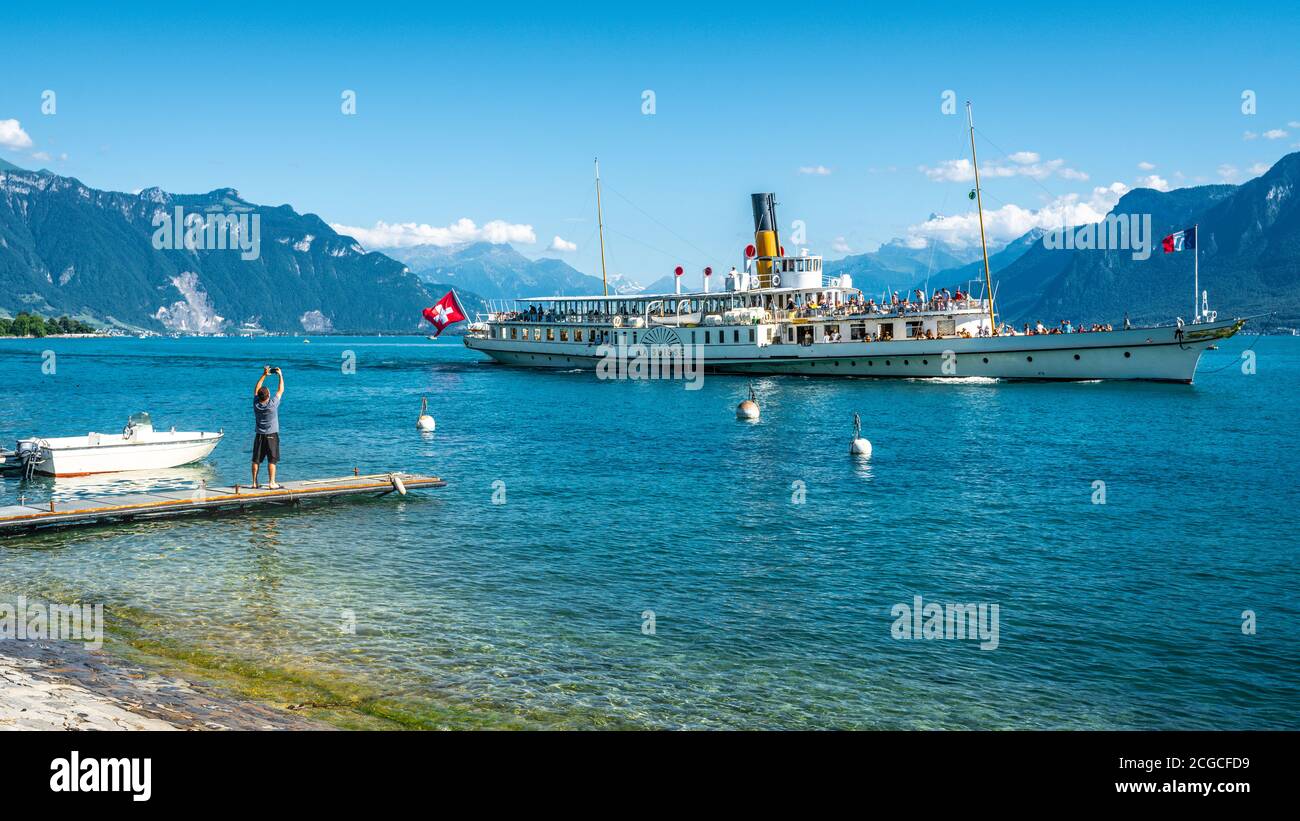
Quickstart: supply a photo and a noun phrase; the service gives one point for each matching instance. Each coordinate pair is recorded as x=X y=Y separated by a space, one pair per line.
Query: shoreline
x=47 y=685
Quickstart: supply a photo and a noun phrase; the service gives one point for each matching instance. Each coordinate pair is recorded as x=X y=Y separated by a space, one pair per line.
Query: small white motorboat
x=137 y=447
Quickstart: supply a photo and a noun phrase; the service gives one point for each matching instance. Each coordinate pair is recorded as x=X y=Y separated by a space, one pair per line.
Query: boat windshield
x=139 y=419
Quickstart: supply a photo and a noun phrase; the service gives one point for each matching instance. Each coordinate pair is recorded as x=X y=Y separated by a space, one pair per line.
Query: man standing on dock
x=266 y=413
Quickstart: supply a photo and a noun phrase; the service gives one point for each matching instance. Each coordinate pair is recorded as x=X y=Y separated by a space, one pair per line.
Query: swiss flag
x=445 y=312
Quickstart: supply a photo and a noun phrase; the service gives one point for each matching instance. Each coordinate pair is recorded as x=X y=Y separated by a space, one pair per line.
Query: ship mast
x=979 y=206
x=600 y=223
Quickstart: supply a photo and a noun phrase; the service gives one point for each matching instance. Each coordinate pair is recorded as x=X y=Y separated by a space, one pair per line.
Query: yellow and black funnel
x=766 y=242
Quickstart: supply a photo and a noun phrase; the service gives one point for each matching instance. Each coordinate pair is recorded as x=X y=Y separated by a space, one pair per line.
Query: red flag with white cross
x=445 y=312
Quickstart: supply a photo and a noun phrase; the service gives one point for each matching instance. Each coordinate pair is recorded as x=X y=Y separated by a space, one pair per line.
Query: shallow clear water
x=626 y=497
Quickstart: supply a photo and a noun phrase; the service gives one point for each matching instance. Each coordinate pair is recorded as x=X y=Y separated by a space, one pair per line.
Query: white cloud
x=562 y=245
x=1155 y=181
x=43 y=156
x=1259 y=168
x=1022 y=164
x=1229 y=173
x=12 y=135
x=1012 y=221
x=463 y=230
x=1274 y=134
x=815 y=170
x=1250 y=135
x=1146 y=166
x=840 y=246
x=1293 y=124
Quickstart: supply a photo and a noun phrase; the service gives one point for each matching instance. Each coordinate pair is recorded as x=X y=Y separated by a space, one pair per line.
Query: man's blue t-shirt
x=268 y=415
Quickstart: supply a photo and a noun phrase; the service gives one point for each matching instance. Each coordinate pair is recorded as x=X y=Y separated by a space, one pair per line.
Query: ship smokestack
x=766 y=241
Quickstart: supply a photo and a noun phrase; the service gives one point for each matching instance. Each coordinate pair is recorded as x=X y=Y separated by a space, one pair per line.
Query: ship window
x=887 y=330
x=858 y=331
x=706 y=337
x=692 y=337
x=537 y=334
x=789 y=334
x=577 y=335
x=550 y=334
x=946 y=327
x=564 y=335
x=751 y=334
x=634 y=337
x=915 y=329
x=735 y=335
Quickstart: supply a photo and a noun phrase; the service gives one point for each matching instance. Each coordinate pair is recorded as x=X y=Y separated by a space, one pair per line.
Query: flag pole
x=600 y=224
x=979 y=207
x=1196 y=273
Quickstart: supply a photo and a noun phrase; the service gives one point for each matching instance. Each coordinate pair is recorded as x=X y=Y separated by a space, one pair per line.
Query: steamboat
x=780 y=314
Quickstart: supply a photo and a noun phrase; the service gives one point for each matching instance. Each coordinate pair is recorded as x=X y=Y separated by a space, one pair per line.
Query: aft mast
x=600 y=224
x=979 y=206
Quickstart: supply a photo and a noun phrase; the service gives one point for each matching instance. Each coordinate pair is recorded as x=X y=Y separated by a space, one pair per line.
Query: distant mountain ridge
x=1249 y=238
x=498 y=271
x=67 y=248
x=897 y=265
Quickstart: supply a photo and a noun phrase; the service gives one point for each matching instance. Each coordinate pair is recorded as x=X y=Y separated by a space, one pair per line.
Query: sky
x=482 y=123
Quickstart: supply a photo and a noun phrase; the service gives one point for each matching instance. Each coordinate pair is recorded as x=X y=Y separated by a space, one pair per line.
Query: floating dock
x=28 y=516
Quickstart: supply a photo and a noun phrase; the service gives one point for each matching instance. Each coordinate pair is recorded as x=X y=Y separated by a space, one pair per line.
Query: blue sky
x=493 y=115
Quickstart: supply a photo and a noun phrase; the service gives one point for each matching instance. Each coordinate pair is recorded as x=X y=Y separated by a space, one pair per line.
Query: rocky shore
x=63 y=686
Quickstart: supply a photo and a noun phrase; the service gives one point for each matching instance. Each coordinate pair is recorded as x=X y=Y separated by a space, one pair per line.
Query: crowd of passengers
x=913 y=303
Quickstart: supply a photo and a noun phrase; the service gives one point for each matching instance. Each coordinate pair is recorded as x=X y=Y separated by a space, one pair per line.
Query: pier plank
x=16 y=519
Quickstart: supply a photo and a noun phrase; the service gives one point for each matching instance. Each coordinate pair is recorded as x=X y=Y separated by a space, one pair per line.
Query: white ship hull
x=1162 y=354
x=110 y=453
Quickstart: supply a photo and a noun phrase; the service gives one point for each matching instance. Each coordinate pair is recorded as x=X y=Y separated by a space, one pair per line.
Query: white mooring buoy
x=425 y=422
x=859 y=446
x=748 y=410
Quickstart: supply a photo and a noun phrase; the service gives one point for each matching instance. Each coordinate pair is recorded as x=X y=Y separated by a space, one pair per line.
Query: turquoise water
x=626 y=497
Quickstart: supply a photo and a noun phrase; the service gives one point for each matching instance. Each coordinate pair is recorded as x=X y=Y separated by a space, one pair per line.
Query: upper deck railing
x=867 y=309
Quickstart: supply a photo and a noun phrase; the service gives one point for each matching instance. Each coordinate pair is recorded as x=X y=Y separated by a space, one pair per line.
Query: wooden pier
x=30 y=516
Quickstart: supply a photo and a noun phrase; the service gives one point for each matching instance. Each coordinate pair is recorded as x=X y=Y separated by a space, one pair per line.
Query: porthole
x=925 y=362
x=886 y=361
x=1127 y=354
x=1076 y=357
x=870 y=363
x=906 y=362
x=986 y=360
x=1029 y=359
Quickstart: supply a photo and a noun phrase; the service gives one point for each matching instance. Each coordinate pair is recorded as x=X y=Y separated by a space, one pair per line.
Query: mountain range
x=498 y=271
x=66 y=248
x=1249 y=247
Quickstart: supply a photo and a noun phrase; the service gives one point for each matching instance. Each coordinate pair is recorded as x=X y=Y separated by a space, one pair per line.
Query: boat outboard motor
x=29 y=456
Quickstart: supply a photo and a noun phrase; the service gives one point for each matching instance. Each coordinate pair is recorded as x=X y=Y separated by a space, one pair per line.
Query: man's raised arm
x=265 y=371
x=280 y=374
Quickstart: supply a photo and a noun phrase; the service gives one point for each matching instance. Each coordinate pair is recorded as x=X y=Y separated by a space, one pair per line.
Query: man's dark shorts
x=266 y=446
